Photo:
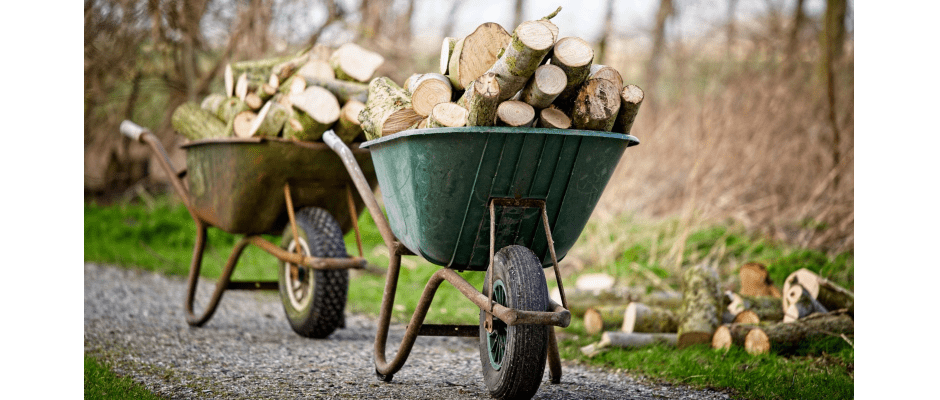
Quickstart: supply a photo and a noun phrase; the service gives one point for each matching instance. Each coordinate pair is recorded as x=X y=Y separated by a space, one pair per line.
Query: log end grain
x=747 y=317
x=552 y=118
x=448 y=115
x=722 y=338
x=756 y=342
x=515 y=114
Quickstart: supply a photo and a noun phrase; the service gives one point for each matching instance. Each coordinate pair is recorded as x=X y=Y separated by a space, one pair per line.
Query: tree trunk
x=827 y=293
x=514 y=113
x=351 y=62
x=666 y=10
x=476 y=53
x=574 y=56
x=639 y=317
x=701 y=305
x=191 y=121
x=596 y=105
x=546 y=84
x=529 y=44
x=480 y=99
x=630 y=99
x=447 y=115
x=427 y=91
x=388 y=110
x=348 y=127
x=343 y=90
x=553 y=118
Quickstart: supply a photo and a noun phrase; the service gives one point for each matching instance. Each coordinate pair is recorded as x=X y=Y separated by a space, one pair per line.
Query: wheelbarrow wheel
x=314 y=299
x=513 y=357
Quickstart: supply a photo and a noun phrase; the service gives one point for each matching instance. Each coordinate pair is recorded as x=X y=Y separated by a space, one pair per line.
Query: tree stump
x=701 y=304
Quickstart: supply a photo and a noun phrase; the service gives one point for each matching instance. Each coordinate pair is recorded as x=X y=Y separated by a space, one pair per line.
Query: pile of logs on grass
x=757 y=317
x=527 y=78
x=296 y=97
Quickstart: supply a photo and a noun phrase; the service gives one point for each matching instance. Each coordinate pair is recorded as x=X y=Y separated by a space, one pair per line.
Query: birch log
x=829 y=294
x=595 y=106
x=427 y=91
x=354 y=63
x=515 y=114
x=191 y=121
x=475 y=54
x=701 y=304
x=388 y=110
x=531 y=41
x=574 y=56
x=347 y=127
x=546 y=84
x=447 y=115
x=480 y=99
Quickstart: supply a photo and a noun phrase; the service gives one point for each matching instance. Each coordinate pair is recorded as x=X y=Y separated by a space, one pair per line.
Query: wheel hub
x=496 y=338
x=299 y=286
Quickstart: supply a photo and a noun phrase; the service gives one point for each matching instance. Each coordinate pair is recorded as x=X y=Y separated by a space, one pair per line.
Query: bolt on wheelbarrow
x=258 y=186
x=505 y=201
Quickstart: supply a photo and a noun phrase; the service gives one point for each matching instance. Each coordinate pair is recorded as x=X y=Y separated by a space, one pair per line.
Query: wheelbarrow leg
x=554 y=359
x=198 y=320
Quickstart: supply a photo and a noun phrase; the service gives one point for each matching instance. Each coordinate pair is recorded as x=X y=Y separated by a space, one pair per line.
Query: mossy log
x=447 y=48
x=348 y=127
x=447 y=115
x=595 y=106
x=638 y=317
x=212 y=102
x=270 y=120
x=343 y=90
x=480 y=99
x=515 y=114
x=388 y=110
x=248 y=83
x=783 y=337
x=352 y=62
x=257 y=70
x=553 y=118
x=546 y=84
x=802 y=304
x=603 y=318
x=701 y=308
x=427 y=91
x=574 y=56
x=530 y=42
x=829 y=294
x=293 y=85
x=229 y=108
x=322 y=109
x=191 y=121
x=474 y=54
x=599 y=71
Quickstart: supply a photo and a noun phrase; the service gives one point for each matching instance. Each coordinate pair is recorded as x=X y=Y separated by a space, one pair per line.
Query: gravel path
x=134 y=320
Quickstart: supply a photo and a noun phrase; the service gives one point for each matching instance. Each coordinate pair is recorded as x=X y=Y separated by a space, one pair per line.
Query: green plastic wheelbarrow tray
x=437 y=185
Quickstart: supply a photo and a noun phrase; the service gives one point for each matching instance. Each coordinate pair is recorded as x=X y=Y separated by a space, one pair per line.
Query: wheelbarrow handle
x=132 y=130
x=143 y=135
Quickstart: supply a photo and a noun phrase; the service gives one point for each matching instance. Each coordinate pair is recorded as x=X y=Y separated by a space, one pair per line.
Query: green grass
x=160 y=238
x=101 y=383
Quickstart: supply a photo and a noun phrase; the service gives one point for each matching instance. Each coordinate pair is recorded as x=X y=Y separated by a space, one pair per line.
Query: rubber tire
x=321 y=316
x=526 y=347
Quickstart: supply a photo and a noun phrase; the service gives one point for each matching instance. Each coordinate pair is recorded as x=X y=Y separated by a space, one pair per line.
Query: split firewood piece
x=229 y=108
x=270 y=120
x=701 y=303
x=596 y=105
x=343 y=90
x=630 y=99
x=253 y=101
x=388 y=110
x=322 y=108
x=530 y=42
x=286 y=69
x=191 y=121
x=318 y=69
x=480 y=99
x=427 y=91
x=447 y=48
x=228 y=79
x=247 y=83
x=829 y=294
x=802 y=304
x=602 y=318
x=544 y=87
x=447 y=115
x=212 y=102
x=636 y=340
x=639 y=317
x=514 y=113
x=475 y=54
x=599 y=71
x=293 y=85
x=553 y=118
x=241 y=125
x=353 y=63
x=574 y=56
x=241 y=87
x=755 y=280
x=785 y=337
x=348 y=127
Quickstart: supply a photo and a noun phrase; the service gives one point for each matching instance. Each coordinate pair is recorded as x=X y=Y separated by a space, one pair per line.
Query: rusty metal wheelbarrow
x=507 y=201
x=271 y=186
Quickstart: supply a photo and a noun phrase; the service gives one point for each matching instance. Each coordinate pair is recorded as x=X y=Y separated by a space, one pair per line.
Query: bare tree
x=605 y=33
x=666 y=10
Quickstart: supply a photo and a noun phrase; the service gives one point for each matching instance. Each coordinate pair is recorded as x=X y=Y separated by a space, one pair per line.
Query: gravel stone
x=135 y=322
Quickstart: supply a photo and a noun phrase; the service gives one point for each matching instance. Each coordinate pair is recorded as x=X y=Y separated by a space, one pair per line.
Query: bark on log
x=447 y=48
x=343 y=90
x=191 y=121
x=596 y=105
x=480 y=99
x=639 y=317
x=447 y=115
x=630 y=99
x=553 y=118
x=785 y=337
x=755 y=280
x=286 y=69
x=353 y=63
x=701 y=303
x=241 y=125
x=322 y=109
x=546 y=84
x=388 y=110
x=293 y=85
x=767 y=308
x=829 y=294
x=599 y=71
x=636 y=340
x=212 y=103
x=348 y=127
x=270 y=120
x=531 y=41
x=574 y=56
x=475 y=54
x=427 y=91
x=514 y=113
x=230 y=108
x=802 y=304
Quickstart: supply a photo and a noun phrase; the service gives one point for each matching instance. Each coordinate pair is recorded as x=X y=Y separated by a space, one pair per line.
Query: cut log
x=286 y=69
x=270 y=120
x=228 y=78
x=447 y=115
x=317 y=69
x=755 y=280
x=574 y=56
x=767 y=308
x=322 y=108
x=353 y=63
x=580 y=300
x=242 y=123
x=630 y=99
x=475 y=54
x=348 y=127
x=544 y=87
x=756 y=342
x=530 y=42
x=639 y=317
x=603 y=318
x=423 y=124
x=636 y=340
x=746 y=317
x=447 y=48
x=727 y=336
x=388 y=110
x=701 y=302
x=480 y=99
x=191 y=121
x=266 y=91
x=829 y=294
x=230 y=108
x=427 y=91
x=293 y=85
x=343 y=90
x=595 y=282
x=596 y=105
x=599 y=71
x=212 y=103
x=248 y=83
x=802 y=304
x=253 y=101
x=514 y=113
x=785 y=337
x=553 y=118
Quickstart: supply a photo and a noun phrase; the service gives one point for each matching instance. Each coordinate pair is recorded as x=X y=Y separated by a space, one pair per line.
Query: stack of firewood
x=493 y=78
x=296 y=97
x=757 y=317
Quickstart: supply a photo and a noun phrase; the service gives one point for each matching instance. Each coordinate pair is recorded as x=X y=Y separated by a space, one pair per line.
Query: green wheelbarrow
x=507 y=201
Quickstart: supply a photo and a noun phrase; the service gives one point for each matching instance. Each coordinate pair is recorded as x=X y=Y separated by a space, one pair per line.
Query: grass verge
x=101 y=383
